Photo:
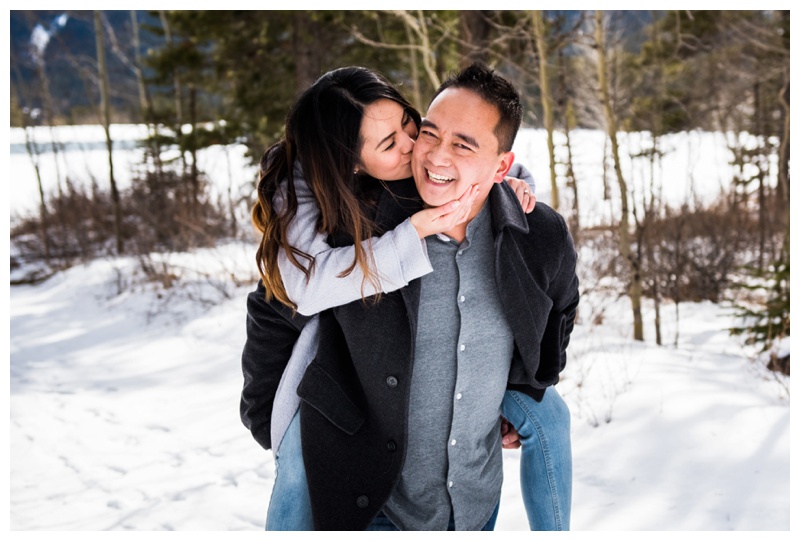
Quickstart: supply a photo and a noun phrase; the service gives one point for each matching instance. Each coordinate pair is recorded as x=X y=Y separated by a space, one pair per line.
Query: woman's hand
x=524 y=193
x=446 y=217
x=509 y=434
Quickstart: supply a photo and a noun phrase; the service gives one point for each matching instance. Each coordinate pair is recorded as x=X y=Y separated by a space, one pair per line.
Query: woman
x=349 y=129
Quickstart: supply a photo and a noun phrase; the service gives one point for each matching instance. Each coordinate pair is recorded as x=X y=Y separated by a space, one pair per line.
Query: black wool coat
x=355 y=393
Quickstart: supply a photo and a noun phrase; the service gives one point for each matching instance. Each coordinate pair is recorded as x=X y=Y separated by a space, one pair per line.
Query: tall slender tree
x=537 y=20
x=105 y=113
x=625 y=245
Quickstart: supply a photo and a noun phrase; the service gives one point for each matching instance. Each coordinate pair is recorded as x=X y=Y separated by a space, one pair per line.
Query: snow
x=124 y=394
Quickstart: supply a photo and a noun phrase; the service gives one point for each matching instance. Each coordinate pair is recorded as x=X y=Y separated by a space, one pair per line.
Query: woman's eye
x=390 y=147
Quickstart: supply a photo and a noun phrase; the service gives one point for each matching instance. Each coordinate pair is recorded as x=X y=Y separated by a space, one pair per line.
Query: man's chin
x=433 y=200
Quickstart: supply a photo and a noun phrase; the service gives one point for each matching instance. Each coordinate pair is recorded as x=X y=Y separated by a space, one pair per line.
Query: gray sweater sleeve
x=400 y=257
x=519 y=171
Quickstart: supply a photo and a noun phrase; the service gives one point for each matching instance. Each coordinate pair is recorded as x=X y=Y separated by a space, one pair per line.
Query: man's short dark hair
x=495 y=90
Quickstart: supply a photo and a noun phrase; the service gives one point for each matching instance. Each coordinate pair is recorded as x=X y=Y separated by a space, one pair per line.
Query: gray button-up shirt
x=462 y=358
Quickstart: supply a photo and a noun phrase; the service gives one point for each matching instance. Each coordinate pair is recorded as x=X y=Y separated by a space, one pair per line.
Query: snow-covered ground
x=124 y=397
x=124 y=414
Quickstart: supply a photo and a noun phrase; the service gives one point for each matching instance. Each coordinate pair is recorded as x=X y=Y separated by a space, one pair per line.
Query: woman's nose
x=407 y=143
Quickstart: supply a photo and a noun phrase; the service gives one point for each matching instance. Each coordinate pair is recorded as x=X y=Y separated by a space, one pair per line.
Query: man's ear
x=503 y=166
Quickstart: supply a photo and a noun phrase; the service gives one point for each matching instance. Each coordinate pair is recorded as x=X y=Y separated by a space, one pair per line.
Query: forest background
x=203 y=78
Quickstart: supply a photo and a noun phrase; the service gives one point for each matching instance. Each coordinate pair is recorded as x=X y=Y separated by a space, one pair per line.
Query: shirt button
x=463 y=347
x=450 y=484
x=460 y=252
x=391 y=446
x=458 y=396
x=453 y=442
x=463 y=298
x=391 y=381
x=362 y=501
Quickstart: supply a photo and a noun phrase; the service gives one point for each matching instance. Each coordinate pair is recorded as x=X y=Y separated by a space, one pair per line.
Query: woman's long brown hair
x=323 y=136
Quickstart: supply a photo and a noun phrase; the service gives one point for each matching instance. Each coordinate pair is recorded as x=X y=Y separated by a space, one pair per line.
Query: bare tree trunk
x=176 y=81
x=474 y=37
x=176 y=78
x=194 y=178
x=418 y=27
x=304 y=49
x=547 y=101
x=144 y=98
x=783 y=166
x=783 y=163
x=49 y=116
x=414 y=68
x=572 y=182
x=758 y=128
x=606 y=187
x=652 y=208
x=650 y=215
x=33 y=154
x=231 y=203
x=105 y=108
x=569 y=124
x=145 y=104
x=635 y=286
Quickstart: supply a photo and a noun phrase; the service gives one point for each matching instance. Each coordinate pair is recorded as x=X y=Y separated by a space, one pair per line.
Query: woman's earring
x=355 y=171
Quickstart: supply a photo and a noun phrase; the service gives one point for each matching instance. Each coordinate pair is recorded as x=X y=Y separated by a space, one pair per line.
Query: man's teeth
x=439 y=179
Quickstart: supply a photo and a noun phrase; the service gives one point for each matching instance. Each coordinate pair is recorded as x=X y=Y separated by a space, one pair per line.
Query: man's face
x=457 y=148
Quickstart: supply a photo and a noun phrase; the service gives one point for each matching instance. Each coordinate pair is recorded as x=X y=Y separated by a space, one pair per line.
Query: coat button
x=392 y=446
x=362 y=501
x=391 y=381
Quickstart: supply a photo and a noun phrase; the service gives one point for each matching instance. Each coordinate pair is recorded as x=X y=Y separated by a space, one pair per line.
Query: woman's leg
x=546 y=461
x=290 y=505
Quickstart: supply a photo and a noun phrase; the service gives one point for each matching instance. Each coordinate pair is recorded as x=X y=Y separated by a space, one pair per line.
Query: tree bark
x=105 y=110
x=547 y=101
x=144 y=97
x=178 y=87
x=570 y=123
x=304 y=50
x=474 y=37
x=635 y=286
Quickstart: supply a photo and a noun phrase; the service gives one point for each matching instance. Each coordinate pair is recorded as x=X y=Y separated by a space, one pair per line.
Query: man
x=400 y=412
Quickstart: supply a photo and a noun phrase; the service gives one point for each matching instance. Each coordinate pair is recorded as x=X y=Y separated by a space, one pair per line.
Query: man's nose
x=438 y=154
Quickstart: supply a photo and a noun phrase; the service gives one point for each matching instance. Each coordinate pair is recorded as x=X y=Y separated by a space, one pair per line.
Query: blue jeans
x=545 y=468
x=290 y=505
x=546 y=461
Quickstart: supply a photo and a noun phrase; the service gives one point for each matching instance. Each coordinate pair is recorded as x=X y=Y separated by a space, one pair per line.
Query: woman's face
x=388 y=133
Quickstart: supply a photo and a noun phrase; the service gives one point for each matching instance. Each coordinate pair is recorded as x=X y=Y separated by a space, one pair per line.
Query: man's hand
x=509 y=434
x=524 y=193
x=444 y=218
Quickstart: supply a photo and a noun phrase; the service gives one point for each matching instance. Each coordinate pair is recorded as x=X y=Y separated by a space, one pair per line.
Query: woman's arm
x=399 y=255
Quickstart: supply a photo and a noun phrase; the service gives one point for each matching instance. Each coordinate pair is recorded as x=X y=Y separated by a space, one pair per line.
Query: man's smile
x=438 y=179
